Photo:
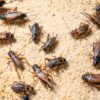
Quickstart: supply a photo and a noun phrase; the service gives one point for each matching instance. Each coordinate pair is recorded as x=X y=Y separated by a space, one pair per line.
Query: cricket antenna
x=28 y=14
x=14 y=29
x=35 y=54
x=86 y=14
x=12 y=1
x=10 y=47
x=66 y=24
x=96 y=2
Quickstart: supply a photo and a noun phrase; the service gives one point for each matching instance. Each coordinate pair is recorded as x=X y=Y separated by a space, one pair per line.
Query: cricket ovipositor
x=95 y=18
x=14 y=17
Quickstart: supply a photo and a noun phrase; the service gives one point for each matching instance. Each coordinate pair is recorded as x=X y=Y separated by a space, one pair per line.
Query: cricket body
x=14 y=16
x=82 y=31
x=43 y=77
x=56 y=62
x=92 y=79
x=22 y=88
x=7 y=38
x=35 y=30
x=16 y=60
x=50 y=44
x=96 y=51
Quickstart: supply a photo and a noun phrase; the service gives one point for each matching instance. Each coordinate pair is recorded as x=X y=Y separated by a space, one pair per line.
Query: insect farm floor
x=55 y=17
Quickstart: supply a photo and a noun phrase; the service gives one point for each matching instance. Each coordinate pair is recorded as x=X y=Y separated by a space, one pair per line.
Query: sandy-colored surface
x=67 y=17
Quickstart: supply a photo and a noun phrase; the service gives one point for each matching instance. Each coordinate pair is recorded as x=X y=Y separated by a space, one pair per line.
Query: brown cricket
x=92 y=79
x=7 y=38
x=96 y=51
x=45 y=78
x=14 y=16
x=82 y=31
x=17 y=60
